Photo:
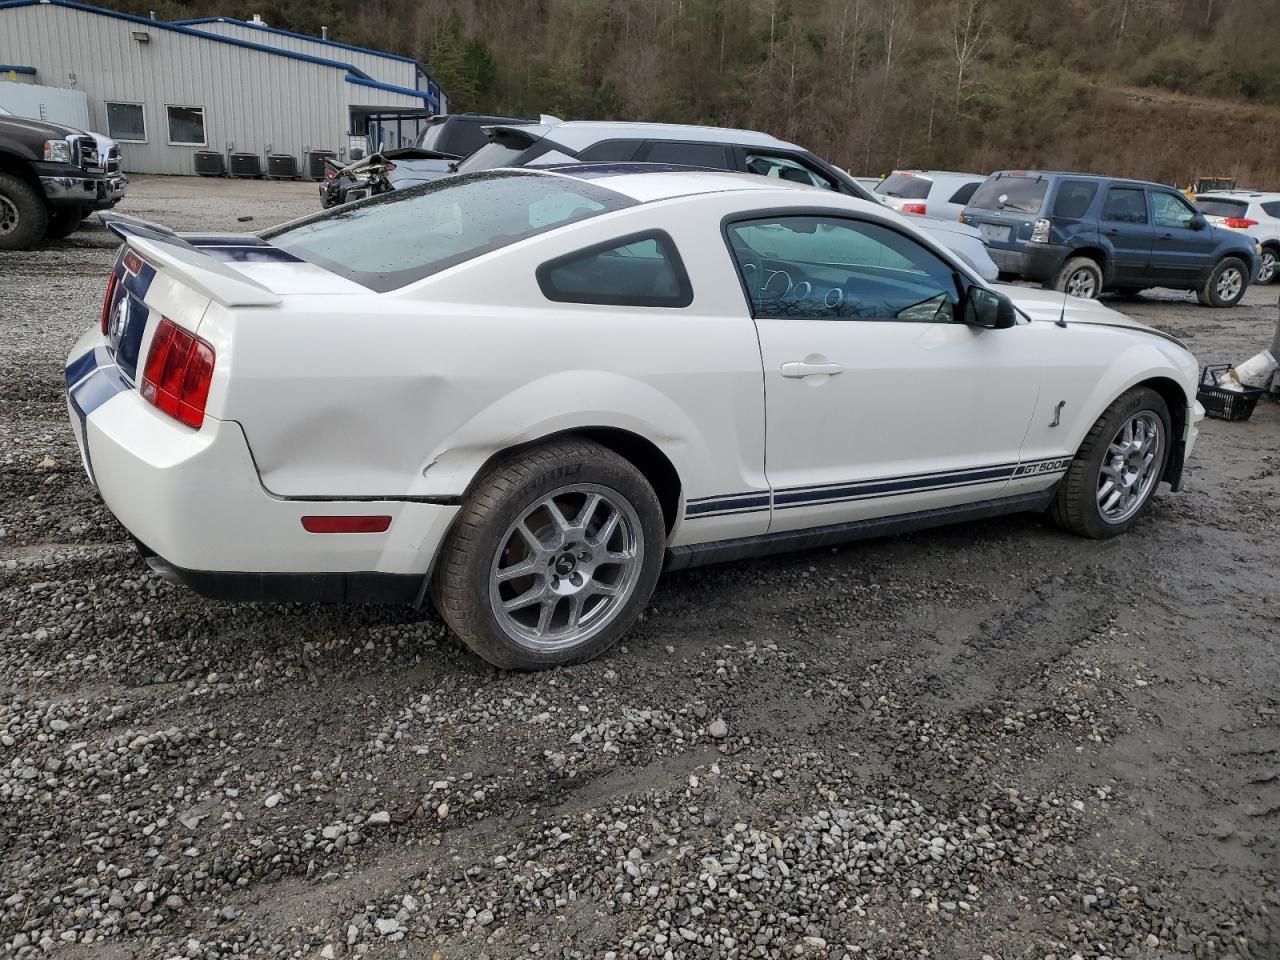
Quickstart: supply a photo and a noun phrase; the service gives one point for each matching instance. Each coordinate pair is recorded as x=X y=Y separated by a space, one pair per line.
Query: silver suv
x=931 y=193
x=552 y=142
x=1252 y=213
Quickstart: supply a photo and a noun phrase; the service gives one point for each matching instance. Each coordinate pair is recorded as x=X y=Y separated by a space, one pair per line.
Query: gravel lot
x=992 y=739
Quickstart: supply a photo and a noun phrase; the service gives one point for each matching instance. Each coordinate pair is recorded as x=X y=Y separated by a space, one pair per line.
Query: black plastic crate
x=1221 y=403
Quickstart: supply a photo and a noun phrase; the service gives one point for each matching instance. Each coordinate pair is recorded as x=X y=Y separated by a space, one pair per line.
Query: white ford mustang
x=523 y=392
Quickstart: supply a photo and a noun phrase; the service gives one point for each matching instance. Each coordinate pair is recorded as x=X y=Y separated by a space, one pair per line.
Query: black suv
x=1084 y=234
x=51 y=178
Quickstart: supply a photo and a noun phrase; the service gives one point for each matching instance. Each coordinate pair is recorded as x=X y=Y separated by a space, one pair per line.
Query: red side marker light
x=362 y=524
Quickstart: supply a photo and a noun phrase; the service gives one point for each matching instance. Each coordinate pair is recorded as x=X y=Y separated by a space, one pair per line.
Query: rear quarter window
x=965 y=193
x=1074 y=198
x=1014 y=194
x=1271 y=208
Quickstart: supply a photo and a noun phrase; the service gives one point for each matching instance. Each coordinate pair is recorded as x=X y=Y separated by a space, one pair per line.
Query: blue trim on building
x=423 y=72
x=14 y=68
x=215 y=38
x=391 y=88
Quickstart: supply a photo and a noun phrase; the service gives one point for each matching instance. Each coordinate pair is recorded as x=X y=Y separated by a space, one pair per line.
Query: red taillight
x=913 y=208
x=374 y=524
x=330 y=174
x=178 y=372
x=1239 y=223
x=106 y=302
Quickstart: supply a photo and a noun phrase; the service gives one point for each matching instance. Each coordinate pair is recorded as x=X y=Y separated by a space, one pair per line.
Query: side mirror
x=1198 y=222
x=986 y=308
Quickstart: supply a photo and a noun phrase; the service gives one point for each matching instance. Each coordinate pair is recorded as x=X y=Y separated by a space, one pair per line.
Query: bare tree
x=969 y=38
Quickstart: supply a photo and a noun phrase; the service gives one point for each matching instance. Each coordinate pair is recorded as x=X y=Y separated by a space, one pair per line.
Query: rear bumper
x=1034 y=261
x=195 y=499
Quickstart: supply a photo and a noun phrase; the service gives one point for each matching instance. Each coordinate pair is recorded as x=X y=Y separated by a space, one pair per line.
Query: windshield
x=397 y=238
x=905 y=186
x=1016 y=194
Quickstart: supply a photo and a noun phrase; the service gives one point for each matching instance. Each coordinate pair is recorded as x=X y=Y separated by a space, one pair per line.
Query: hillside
x=1164 y=89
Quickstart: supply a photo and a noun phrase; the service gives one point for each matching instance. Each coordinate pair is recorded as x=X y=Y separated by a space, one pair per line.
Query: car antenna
x=1062 y=317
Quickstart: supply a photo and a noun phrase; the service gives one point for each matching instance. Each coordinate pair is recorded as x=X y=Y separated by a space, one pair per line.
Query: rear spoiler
x=162 y=247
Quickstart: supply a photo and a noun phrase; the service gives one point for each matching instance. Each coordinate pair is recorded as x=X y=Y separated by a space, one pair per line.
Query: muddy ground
x=992 y=739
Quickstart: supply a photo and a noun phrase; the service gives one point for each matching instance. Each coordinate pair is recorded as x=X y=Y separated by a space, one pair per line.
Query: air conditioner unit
x=315 y=163
x=210 y=163
x=246 y=165
x=282 y=166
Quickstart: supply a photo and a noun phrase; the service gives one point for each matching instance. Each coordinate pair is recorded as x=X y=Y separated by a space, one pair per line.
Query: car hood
x=1041 y=304
x=47 y=131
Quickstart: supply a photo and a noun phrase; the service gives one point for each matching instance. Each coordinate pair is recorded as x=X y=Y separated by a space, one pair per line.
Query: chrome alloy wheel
x=1267 y=269
x=1130 y=467
x=1081 y=283
x=566 y=567
x=1230 y=283
x=8 y=216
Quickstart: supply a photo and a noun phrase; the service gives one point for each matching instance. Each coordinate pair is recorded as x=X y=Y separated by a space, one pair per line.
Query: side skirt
x=725 y=551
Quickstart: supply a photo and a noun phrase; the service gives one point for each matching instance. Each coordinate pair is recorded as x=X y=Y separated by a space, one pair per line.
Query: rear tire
x=1226 y=284
x=23 y=215
x=1080 y=277
x=1113 y=452
x=1267 y=269
x=63 y=223
x=552 y=558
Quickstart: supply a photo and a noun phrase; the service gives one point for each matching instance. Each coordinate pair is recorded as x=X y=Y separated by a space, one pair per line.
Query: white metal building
x=169 y=90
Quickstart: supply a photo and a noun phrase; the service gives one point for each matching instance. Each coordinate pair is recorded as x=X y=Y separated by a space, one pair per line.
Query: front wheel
x=1226 y=284
x=23 y=216
x=1115 y=472
x=552 y=558
x=1080 y=277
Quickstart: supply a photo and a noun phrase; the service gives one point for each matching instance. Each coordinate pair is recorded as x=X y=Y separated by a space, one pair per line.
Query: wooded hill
x=1160 y=89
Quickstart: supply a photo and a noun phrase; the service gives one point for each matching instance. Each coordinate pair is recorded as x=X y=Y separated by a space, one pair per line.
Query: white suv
x=1250 y=212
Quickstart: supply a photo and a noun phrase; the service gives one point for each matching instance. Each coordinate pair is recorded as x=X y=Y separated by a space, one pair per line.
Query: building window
x=125 y=122
x=186 y=126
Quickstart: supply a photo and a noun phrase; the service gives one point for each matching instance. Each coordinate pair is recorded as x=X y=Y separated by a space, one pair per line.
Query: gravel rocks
x=926 y=747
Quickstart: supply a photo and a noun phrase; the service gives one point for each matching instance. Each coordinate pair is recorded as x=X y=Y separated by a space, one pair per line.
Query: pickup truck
x=51 y=178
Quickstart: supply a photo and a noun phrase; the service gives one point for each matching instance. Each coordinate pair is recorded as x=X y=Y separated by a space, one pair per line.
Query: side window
x=1074 y=198
x=1125 y=205
x=1170 y=210
x=962 y=195
x=642 y=270
x=687 y=154
x=611 y=150
x=1272 y=208
x=784 y=168
x=830 y=268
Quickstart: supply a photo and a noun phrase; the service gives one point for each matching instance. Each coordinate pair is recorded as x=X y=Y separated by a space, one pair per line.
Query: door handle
x=798 y=369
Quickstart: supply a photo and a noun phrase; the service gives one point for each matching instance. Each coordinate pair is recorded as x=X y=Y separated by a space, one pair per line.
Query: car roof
x=1238 y=195
x=938 y=174
x=651 y=182
x=580 y=134
x=1081 y=176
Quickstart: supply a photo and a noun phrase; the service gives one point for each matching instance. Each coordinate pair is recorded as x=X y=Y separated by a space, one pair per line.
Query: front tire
x=1115 y=472
x=63 y=223
x=1080 y=277
x=554 y=555
x=1226 y=284
x=23 y=215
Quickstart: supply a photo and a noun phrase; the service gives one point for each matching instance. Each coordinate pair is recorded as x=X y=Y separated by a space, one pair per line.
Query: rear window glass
x=398 y=238
x=1222 y=208
x=905 y=186
x=1074 y=198
x=1015 y=194
x=504 y=152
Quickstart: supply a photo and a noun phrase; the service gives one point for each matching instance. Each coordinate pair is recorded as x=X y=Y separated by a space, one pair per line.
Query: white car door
x=877 y=401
